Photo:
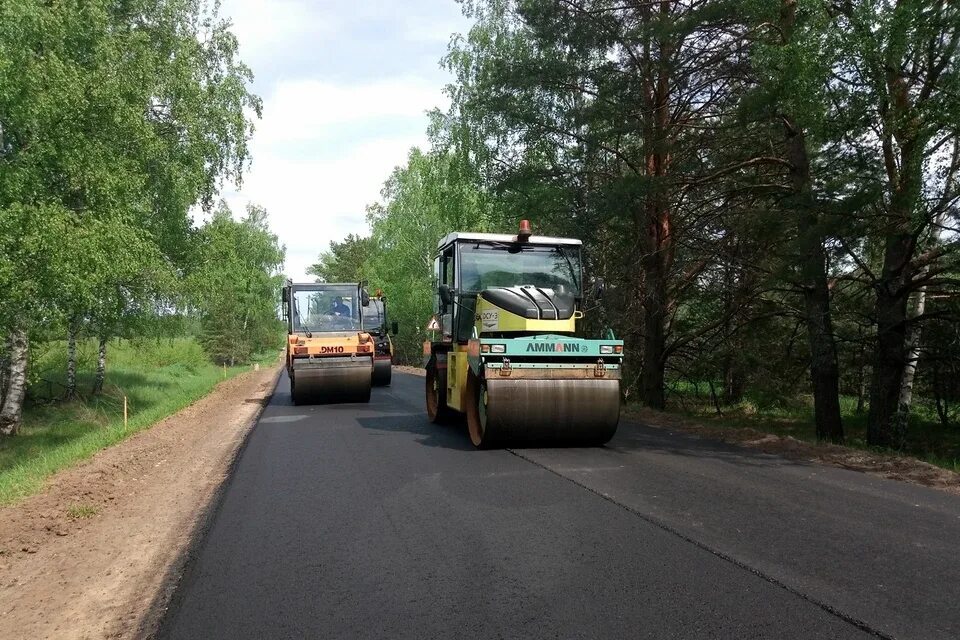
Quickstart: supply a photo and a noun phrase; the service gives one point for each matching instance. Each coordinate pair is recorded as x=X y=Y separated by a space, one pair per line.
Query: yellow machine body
x=330 y=357
x=506 y=351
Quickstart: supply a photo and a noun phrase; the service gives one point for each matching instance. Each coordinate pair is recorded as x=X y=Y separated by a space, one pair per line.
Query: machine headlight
x=498 y=348
x=606 y=348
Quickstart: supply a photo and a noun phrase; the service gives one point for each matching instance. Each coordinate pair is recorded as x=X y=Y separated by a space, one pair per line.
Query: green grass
x=927 y=439
x=158 y=377
x=79 y=511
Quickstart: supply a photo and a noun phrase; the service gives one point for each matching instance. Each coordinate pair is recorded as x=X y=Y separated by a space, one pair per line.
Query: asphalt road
x=366 y=521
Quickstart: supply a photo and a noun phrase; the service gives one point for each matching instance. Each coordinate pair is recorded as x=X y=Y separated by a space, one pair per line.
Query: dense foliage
x=236 y=285
x=769 y=188
x=116 y=119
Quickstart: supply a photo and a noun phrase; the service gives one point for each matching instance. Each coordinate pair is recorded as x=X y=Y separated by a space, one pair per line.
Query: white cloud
x=265 y=28
x=346 y=86
x=307 y=109
x=312 y=202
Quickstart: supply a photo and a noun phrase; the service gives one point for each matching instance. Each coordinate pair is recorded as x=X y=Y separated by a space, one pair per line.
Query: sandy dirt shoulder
x=97 y=553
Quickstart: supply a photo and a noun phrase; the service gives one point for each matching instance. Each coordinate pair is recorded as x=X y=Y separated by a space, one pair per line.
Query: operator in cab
x=338 y=308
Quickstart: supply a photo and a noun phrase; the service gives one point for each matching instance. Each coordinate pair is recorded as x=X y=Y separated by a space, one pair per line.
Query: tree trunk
x=654 y=339
x=824 y=368
x=914 y=334
x=884 y=428
x=4 y=369
x=101 y=367
x=861 y=387
x=11 y=410
x=913 y=354
x=72 y=329
x=656 y=222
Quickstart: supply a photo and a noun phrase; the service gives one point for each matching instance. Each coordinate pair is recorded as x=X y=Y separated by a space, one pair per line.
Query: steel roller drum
x=326 y=384
x=382 y=372
x=548 y=412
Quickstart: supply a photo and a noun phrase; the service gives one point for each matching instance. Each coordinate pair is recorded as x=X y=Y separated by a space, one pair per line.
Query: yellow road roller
x=329 y=353
x=506 y=350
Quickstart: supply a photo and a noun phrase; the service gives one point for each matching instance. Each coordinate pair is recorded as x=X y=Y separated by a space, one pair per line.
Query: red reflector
x=484 y=348
x=473 y=348
x=618 y=348
x=363 y=348
x=299 y=350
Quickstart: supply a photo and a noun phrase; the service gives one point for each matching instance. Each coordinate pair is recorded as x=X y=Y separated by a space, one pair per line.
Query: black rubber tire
x=480 y=435
x=382 y=375
x=293 y=392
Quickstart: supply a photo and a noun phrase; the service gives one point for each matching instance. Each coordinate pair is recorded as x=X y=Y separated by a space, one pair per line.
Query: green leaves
x=115 y=120
x=236 y=285
x=345 y=261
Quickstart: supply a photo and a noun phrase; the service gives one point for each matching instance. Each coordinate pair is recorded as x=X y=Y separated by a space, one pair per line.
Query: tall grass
x=158 y=377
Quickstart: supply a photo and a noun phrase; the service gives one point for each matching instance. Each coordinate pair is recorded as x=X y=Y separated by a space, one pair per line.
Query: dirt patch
x=91 y=555
x=891 y=466
x=417 y=371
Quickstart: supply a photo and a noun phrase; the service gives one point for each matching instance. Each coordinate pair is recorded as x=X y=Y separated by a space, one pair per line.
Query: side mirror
x=364 y=298
x=394 y=328
x=446 y=294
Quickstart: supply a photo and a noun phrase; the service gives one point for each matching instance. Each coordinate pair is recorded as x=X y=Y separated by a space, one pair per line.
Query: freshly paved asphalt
x=367 y=521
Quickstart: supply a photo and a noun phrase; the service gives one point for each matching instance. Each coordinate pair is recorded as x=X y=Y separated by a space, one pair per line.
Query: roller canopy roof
x=503 y=237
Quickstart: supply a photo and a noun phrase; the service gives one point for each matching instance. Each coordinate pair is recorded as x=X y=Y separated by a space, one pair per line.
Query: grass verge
x=158 y=378
x=927 y=439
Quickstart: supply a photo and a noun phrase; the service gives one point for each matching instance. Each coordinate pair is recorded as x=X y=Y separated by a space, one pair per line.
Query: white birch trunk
x=101 y=367
x=72 y=329
x=11 y=411
x=913 y=354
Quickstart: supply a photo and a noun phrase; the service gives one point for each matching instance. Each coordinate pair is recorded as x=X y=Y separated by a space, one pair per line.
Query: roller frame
x=331 y=380
x=542 y=408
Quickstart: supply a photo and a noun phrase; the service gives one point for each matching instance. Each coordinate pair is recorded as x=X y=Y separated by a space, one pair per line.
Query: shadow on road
x=637 y=438
x=452 y=436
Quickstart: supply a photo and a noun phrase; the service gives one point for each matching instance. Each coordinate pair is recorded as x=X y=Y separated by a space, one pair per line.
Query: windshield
x=331 y=309
x=486 y=265
x=373 y=317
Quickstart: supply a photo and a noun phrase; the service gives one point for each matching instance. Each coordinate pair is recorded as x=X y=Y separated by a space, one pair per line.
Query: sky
x=345 y=87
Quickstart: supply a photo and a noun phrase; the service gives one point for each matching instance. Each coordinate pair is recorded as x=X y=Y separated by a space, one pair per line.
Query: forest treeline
x=769 y=189
x=119 y=121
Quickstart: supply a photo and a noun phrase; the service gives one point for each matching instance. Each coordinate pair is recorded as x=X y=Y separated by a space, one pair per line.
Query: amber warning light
x=525 y=231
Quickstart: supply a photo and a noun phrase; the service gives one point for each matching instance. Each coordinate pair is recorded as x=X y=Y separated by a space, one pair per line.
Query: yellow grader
x=329 y=353
x=508 y=355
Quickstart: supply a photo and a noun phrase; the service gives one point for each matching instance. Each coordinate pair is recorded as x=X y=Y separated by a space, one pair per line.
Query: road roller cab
x=375 y=322
x=507 y=351
x=329 y=352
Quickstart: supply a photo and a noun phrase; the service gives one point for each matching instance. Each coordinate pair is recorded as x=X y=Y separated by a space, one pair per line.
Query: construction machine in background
x=506 y=352
x=329 y=352
x=375 y=322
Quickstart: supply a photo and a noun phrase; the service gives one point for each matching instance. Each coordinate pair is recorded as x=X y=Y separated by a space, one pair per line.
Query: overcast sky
x=345 y=87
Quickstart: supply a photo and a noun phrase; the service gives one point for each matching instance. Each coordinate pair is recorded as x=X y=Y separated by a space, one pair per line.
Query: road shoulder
x=98 y=551
x=886 y=465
